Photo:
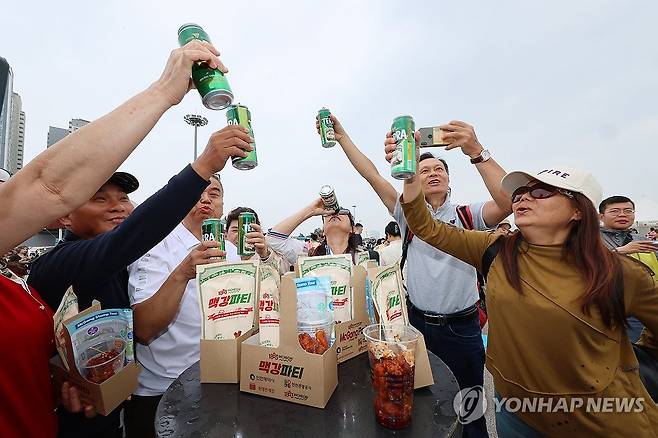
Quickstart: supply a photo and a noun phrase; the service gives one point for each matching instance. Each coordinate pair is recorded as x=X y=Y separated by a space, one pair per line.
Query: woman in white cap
x=558 y=300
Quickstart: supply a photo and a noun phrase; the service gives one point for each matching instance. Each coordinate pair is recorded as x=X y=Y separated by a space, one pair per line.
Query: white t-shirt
x=436 y=281
x=171 y=353
x=390 y=254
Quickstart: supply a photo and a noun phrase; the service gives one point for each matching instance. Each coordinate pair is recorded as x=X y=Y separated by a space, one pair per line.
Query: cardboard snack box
x=288 y=372
x=349 y=335
x=105 y=396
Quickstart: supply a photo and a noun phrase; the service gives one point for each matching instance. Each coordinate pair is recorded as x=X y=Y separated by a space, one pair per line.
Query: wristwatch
x=484 y=156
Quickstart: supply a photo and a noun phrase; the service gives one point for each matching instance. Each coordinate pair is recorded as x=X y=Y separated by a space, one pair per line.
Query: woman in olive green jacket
x=558 y=301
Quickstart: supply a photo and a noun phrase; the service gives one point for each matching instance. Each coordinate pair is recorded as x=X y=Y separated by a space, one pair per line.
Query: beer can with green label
x=213 y=229
x=327 y=134
x=240 y=115
x=403 y=163
x=213 y=86
x=329 y=198
x=244 y=227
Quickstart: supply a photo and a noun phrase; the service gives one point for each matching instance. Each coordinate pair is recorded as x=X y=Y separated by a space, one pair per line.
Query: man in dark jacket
x=105 y=235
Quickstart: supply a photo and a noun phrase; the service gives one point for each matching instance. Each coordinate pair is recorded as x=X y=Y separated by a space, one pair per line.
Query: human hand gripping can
x=245 y=220
x=213 y=86
x=329 y=198
x=213 y=229
x=240 y=115
x=327 y=134
x=403 y=163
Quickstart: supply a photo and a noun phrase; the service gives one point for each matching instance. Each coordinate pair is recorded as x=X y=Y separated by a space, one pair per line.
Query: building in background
x=12 y=122
x=55 y=134
x=15 y=151
x=6 y=87
x=76 y=124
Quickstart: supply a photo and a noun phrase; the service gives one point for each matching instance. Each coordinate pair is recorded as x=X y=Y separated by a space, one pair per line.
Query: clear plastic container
x=102 y=358
x=391 y=351
x=316 y=338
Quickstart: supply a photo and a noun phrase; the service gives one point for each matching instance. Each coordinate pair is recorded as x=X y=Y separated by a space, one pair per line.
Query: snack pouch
x=227 y=295
x=268 y=306
x=106 y=333
x=388 y=295
x=339 y=268
x=362 y=258
x=67 y=309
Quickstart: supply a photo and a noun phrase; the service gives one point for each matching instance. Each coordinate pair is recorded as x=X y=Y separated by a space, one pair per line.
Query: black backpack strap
x=408 y=236
x=489 y=256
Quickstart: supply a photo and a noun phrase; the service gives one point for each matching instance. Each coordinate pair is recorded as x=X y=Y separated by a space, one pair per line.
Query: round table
x=192 y=409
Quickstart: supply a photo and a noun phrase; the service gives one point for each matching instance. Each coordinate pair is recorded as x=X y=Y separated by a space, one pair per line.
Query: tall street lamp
x=196 y=121
x=354 y=207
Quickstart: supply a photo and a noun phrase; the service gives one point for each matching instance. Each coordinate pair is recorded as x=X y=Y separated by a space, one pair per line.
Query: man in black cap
x=105 y=235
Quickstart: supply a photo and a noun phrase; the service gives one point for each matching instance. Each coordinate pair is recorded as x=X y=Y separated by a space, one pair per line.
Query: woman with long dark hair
x=558 y=302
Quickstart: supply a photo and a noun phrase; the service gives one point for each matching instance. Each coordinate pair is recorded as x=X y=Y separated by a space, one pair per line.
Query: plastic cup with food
x=102 y=358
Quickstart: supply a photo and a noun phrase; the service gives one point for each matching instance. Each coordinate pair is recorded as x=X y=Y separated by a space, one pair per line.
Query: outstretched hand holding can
x=175 y=80
x=231 y=141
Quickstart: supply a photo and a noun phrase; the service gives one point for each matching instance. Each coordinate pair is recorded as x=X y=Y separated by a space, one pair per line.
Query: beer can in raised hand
x=403 y=163
x=329 y=198
x=213 y=86
x=327 y=134
x=240 y=115
x=244 y=227
x=213 y=229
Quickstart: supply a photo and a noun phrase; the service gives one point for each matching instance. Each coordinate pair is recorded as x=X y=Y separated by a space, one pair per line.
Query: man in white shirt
x=391 y=253
x=164 y=299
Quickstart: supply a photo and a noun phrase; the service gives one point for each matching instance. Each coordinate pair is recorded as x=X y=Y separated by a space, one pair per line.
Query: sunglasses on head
x=539 y=191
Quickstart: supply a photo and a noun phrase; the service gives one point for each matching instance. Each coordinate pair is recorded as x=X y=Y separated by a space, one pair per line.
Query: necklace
x=18 y=280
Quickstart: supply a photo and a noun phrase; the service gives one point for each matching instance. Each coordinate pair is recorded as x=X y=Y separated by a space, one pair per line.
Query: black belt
x=442 y=319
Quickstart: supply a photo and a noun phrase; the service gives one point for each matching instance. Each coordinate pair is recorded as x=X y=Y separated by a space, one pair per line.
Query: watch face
x=485 y=155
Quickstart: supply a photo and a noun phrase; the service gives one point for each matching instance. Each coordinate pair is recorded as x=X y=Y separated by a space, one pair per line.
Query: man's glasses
x=539 y=191
x=618 y=211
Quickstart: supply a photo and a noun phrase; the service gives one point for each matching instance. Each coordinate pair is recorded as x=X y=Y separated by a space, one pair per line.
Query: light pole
x=354 y=207
x=196 y=121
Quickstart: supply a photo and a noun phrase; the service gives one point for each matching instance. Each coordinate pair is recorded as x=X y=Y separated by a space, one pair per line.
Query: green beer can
x=244 y=227
x=213 y=86
x=213 y=229
x=403 y=163
x=327 y=134
x=240 y=115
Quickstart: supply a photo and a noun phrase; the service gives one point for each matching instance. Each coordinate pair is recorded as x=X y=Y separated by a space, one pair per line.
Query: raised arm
x=289 y=224
x=462 y=135
x=365 y=167
x=67 y=174
x=468 y=246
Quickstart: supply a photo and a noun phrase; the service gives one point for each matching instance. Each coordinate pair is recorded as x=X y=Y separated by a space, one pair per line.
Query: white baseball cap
x=564 y=177
x=4 y=175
